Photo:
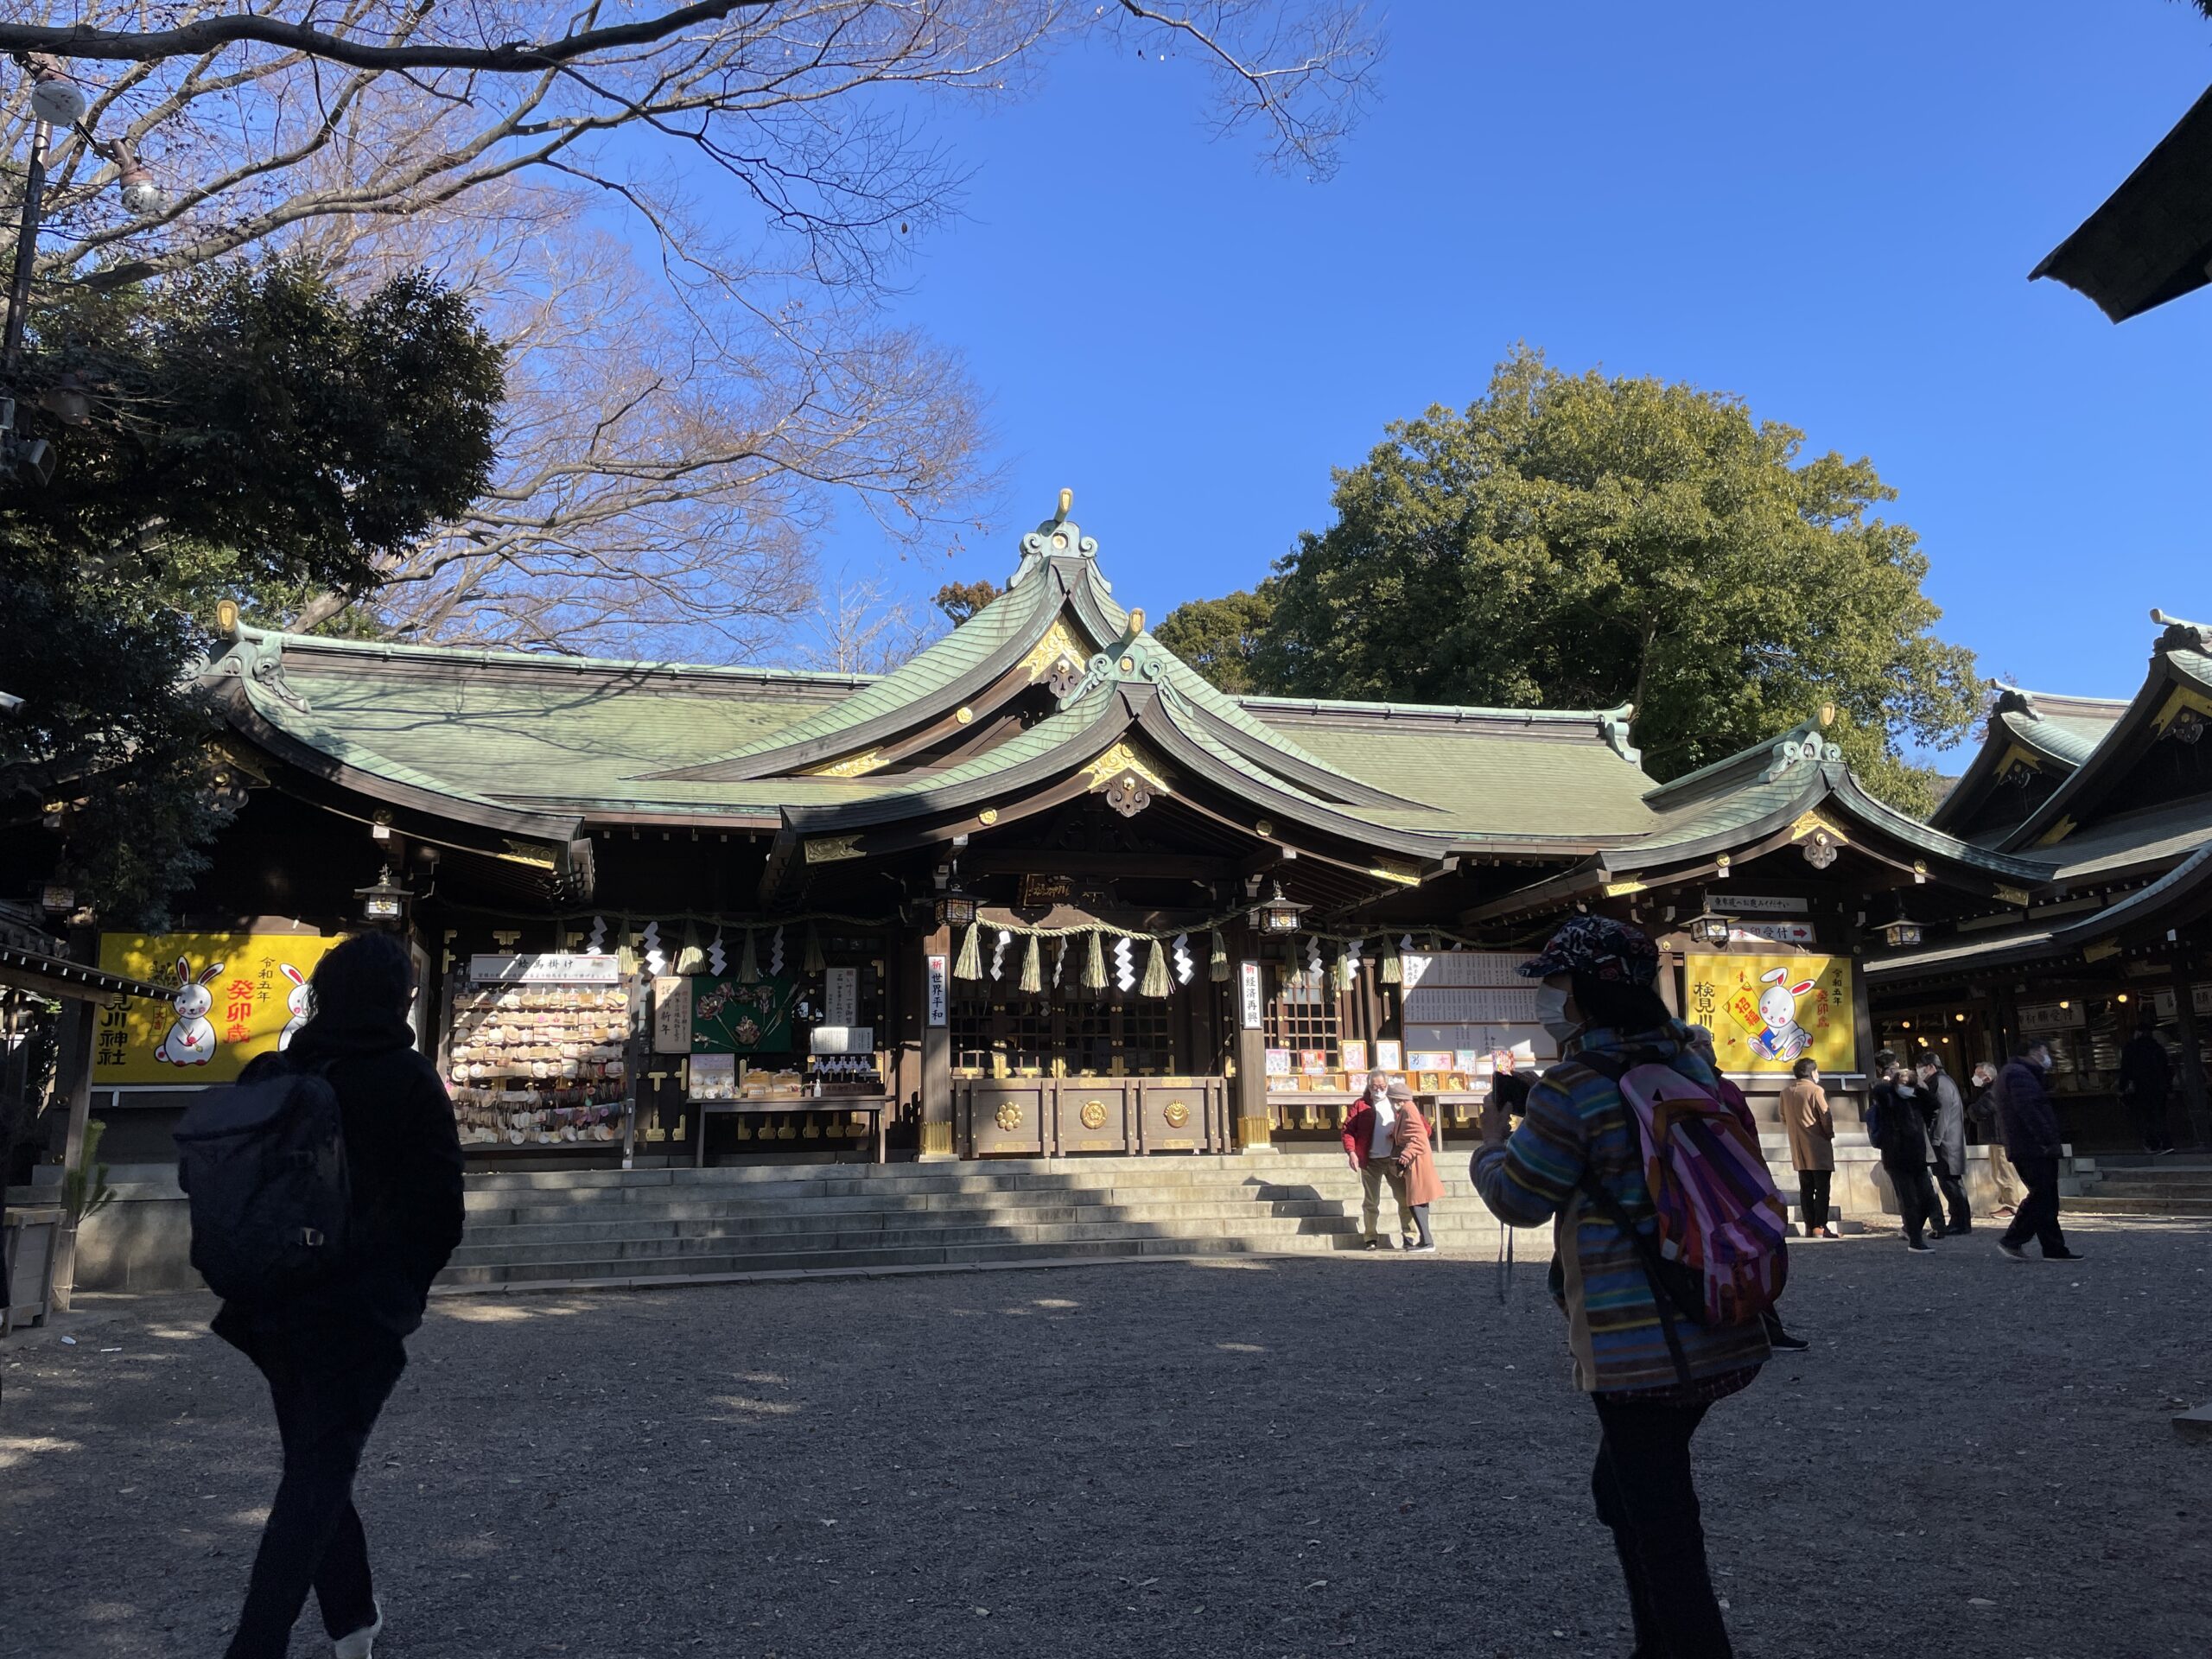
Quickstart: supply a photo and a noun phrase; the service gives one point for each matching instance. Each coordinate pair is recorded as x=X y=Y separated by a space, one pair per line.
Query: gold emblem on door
x=1009 y=1116
x=1176 y=1113
x=1094 y=1113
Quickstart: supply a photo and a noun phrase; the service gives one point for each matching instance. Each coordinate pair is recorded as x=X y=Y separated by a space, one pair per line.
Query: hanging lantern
x=956 y=907
x=1902 y=933
x=1709 y=928
x=1281 y=915
x=384 y=901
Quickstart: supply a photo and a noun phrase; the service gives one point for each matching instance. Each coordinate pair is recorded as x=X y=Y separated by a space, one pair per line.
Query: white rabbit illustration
x=1783 y=1038
x=190 y=1040
x=300 y=999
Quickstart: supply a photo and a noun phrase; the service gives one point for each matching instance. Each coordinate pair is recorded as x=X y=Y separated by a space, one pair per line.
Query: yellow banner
x=232 y=996
x=1767 y=1013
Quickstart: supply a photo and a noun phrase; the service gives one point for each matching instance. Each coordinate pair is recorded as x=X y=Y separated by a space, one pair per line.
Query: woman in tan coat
x=1811 y=1128
x=1415 y=1161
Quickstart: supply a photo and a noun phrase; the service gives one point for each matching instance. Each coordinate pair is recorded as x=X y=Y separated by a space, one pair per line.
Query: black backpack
x=264 y=1162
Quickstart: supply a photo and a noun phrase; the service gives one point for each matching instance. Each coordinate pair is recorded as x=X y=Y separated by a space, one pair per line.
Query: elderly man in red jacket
x=1368 y=1144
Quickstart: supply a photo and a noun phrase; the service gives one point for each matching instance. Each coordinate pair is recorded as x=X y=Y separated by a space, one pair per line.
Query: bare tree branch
x=212 y=34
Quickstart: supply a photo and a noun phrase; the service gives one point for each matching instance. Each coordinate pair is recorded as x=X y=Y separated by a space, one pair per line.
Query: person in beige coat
x=1811 y=1128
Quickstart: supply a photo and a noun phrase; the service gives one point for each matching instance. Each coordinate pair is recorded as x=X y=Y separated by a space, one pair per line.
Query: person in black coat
x=2145 y=1077
x=1900 y=1136
x=2032 y=1140
x=332 y=1354
x=1946 y=1139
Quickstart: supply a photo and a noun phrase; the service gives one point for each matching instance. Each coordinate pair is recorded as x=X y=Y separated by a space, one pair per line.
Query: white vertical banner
x=1251 y=1005
x=940 y=988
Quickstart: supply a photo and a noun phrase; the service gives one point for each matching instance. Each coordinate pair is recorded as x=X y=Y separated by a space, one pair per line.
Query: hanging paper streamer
x=776 y=950
x=1032 y=975
x=597 y=943
x=1184 y=966
x=1394 y=970
x=815 y=962
x=1313 y=964
x=1155 y=971
x=690 y=959
x=1059 y=963
x=970 y=964
x=998 y=953
x=1352 y=948
x=1217 y=963
x=1125 y=964
x=1093 y=965
x=717 y=958
x=748 y=964
x=655 y=962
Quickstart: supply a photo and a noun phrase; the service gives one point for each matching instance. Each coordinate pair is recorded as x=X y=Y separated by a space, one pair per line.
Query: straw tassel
x=626 y=953
x=1217 y=963
x=1155 y=972
x=1094 y=966
x=815 y=962
x=1394 y=970
x=970 y=965
x=1033 y=968
x=691 y=959
x=1344 y=970
x=748 y=964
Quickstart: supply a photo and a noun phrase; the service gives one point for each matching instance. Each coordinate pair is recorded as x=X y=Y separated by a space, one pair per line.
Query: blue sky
x=1830 y=210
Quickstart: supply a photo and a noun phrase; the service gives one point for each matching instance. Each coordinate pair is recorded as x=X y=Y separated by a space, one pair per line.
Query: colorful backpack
x=1717 y=1251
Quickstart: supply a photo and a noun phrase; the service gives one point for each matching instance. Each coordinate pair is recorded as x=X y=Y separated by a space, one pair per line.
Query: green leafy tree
x=240 y=435
x=1576 y=541
x=1219 y=637
x=961 y=600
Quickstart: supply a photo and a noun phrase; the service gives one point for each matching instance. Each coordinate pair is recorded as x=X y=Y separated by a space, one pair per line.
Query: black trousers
x=1645 y=1498
x=2039 y=1212
x=2149 y=1112
x=1813 y=1193
x=1955 y=1195
x=327 y=1388
x=1917 y=1204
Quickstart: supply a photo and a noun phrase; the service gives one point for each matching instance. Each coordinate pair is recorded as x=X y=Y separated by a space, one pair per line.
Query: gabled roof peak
x=1802 y=744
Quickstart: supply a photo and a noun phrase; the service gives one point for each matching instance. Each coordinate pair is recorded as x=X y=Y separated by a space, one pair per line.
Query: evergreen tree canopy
x=247 y=434
x=1580 y=542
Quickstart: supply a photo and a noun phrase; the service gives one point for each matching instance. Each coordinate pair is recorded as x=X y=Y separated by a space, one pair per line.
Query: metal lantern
x=1709 y=928
x=1279 y=914
x=384 y=900
x=955 y=908
x=1901 y=934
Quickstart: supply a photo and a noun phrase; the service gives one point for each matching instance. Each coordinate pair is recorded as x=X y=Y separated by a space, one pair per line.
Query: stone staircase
x=2133 y=1184
x=654 y=1226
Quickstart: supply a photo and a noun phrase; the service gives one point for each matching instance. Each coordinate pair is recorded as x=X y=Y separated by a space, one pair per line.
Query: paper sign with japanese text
x=233 y=996
x=1767 y=1013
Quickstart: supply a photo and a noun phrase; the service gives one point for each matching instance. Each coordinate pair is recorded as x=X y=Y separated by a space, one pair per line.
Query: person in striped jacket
x=1598 y=1003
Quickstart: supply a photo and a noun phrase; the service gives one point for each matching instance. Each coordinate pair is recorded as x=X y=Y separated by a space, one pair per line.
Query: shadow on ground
x=1307 y=1457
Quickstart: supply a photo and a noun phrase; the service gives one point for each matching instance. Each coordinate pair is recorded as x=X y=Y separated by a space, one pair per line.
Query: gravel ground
x=1306 y=1457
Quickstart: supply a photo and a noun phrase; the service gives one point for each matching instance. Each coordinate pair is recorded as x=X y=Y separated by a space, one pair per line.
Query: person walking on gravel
x=1946 y=1139
x=332 y=1354
x=1371 y=1138
x=2145 y=1078
x=2032 y=1140
x=1810 y=1125
x=1576 y=1160
x=1412 y=1155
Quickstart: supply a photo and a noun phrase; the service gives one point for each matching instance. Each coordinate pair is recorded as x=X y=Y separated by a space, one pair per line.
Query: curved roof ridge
x=402 y=651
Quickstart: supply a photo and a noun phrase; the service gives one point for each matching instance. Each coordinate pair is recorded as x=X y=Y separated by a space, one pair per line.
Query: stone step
x=2095 y=1202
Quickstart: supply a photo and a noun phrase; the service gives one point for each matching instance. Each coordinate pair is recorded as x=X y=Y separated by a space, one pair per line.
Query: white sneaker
x=361 y=1644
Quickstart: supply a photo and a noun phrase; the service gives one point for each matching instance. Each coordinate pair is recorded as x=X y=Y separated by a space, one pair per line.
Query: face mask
x=1551 y=1013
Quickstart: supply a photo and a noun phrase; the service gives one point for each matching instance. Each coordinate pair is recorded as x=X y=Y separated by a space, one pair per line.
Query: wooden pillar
x=934 y=985
x=2192 y=1062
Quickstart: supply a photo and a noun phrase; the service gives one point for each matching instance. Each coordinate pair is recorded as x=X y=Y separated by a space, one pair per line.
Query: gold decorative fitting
x=1008 y=1116
x=1622 y=889
x=988 y=815
x=1264 y=827
x=1122 y=758
x=2013 y=896
x=1810 y=823
x=521 y=852
x=1059 y=645
x=852 y=765
x=1094 y=1113
x=1393 y=870
x=1136 y=620
x=1175 y=1113
x=2057 y=832
x=963 y=713
x=1127 y=665
x=831 y=850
